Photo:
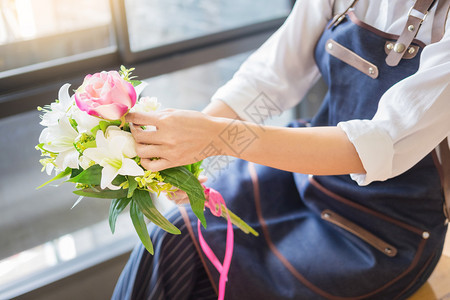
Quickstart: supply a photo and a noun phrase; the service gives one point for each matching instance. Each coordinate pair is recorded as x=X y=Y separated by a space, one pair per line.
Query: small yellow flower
x=154 y=182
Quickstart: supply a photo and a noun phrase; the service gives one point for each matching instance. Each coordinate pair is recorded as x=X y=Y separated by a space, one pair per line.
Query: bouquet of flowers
x=87 y=141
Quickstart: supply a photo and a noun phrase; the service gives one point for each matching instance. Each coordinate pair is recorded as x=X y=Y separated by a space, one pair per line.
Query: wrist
x=219 y=108
x=232 y=137
x=215 y=128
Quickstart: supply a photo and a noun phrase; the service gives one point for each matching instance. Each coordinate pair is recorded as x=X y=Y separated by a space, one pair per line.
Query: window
x=170 y=21
x=45 y=43
x=37 y=31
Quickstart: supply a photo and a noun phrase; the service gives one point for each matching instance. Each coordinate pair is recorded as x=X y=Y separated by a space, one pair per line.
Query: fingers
x=202 y=179
x=148 y=151
x=140 y=118
x=156 y=164
x=178 y=197
x=145 y=136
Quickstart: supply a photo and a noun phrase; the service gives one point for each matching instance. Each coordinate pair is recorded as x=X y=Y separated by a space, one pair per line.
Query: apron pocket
x=360 y=232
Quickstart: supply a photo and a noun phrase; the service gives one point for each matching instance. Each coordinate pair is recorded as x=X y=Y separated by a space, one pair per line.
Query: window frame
x=25 y=88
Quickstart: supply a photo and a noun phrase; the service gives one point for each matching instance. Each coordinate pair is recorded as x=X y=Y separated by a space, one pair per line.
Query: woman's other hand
x=180 y=197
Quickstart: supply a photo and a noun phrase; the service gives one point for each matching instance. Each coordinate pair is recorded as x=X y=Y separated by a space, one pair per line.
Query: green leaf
x=135 y=83
x=132 y=185
x=238 y=221
x=103 y=194
x=103 y=125
x=145 y=203
x=95 y=129
x=74 y=124
x=141 y=228
x=118 y=180
x=91 y=175
x=183 y=179
x=75 y=172
x=117 y=206
x=63 y=174
x=195 y=168
x=40 y=146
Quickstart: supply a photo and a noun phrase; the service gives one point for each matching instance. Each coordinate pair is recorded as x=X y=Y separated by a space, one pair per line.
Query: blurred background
x=183 y=49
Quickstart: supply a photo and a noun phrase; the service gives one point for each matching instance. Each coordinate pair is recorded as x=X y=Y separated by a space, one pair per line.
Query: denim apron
x=325 y=237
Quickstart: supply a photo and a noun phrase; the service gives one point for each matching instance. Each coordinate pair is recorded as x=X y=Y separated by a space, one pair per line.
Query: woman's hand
x=181 y=137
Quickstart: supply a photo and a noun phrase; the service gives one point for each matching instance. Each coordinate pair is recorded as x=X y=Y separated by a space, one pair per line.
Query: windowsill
x=63 y=241
x=57 y=259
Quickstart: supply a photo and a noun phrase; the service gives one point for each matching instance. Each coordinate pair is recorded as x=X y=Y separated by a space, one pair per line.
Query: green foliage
x=132 y=185
x=146 y=206
x=63 y=174
x=74 y=124
x=137 y=217
x=126 y=74
x=117 y=206
x=183 y=179
x=91 y=176
x=141 y=200
x=103 y=125
x=75 y=172
x=103 y=194
x=195 y=168
x=238 y=221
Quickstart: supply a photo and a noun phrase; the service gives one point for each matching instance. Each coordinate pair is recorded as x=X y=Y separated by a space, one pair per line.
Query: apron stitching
x=427 y=263
x=378 y=32
x=291 y=268
x=348 y=202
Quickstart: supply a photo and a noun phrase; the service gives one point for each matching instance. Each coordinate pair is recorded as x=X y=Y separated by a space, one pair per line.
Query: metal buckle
x=418 y=12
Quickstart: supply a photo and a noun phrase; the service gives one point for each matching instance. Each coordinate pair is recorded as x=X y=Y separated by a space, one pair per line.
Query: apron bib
x=325 y=237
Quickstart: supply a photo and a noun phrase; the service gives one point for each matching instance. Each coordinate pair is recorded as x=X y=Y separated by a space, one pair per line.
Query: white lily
x=114 y=153
x=58 y=109
x=59 y=139
x=85 y=162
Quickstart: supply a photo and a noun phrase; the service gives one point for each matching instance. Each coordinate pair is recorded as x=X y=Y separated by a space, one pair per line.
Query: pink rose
x=105 y=95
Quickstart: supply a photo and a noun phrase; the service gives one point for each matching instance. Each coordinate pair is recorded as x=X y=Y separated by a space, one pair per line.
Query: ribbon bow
x=214 y=203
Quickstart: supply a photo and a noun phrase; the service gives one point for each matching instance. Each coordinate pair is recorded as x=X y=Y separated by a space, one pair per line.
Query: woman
x=377 y=233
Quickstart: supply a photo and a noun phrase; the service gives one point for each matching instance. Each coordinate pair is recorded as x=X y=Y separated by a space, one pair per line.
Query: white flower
x=85 y=122
x=60 y=139
x=129 y=149
x=48 y=165
x=58 y=109
x=85 y=162
x=146 y=104
x=114 y=153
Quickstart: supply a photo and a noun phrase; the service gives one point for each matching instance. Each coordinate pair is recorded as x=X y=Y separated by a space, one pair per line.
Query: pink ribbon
x=214 y=203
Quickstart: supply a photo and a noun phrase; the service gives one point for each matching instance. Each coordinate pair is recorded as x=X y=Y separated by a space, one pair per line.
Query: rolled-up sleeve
x=283 y=68
x=413 y=117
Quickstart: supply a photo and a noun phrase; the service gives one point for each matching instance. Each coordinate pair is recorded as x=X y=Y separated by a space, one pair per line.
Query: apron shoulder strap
x=440 y=18
x=443 y=165
x=437 y=33
x=339 y=17
x=416 y=16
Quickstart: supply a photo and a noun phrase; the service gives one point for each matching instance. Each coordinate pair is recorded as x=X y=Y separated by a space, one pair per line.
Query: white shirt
x=413 y=116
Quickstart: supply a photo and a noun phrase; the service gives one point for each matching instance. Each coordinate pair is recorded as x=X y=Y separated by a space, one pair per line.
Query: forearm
x=220 y=109
x=184 y=137
x=310 y=150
